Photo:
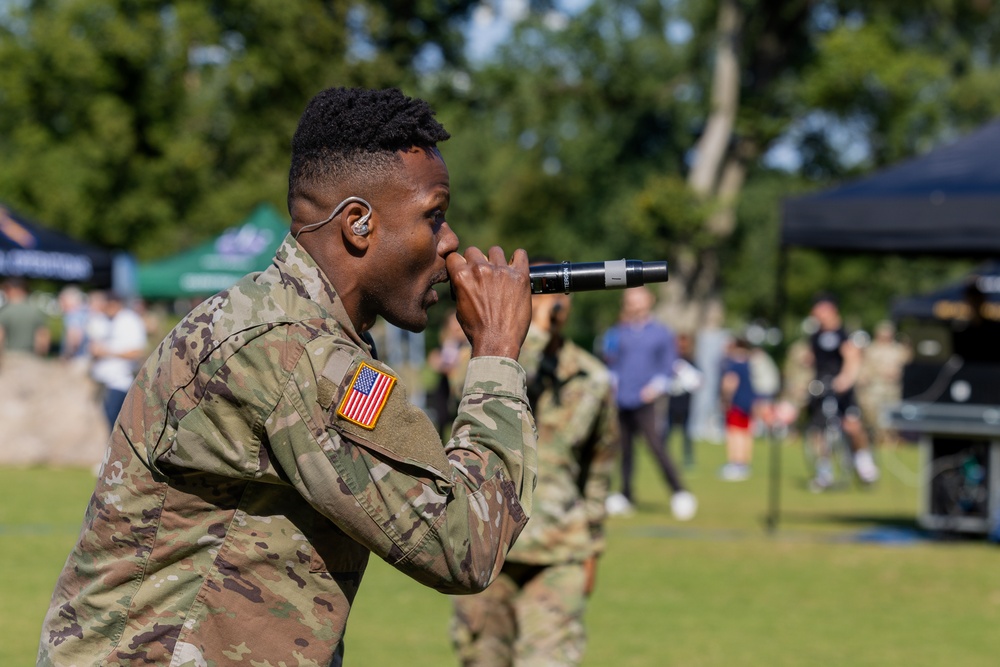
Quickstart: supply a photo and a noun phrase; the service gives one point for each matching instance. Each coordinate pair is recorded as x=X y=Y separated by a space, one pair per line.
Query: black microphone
x=586 y=276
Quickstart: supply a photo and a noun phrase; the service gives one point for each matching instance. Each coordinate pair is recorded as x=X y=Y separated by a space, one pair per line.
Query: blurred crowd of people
x=99 y=333
x=654 y=369
x=657 y=376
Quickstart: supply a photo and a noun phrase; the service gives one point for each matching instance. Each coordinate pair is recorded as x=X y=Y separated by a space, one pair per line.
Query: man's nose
x=448 y=241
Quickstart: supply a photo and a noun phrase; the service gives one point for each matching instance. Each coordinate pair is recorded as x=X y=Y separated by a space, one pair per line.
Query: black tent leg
x=774 y=483
x=774 y=467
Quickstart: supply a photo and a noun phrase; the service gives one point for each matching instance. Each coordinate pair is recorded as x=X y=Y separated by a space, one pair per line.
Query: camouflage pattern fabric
x=235 y=510
x=531 y=616
x=798 y=373
x=577 y=449
x=880 y=382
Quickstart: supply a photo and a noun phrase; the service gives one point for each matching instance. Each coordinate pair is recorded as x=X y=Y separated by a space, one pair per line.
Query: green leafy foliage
x=151 y=125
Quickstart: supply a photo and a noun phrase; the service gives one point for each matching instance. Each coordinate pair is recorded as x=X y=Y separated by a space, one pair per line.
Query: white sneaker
x=683 y=505
x=819 y=484
x=734 y=472
x=618 y=505
x=865 y=466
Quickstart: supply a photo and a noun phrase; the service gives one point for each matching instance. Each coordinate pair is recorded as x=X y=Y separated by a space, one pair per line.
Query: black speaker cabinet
x=961 y=483
x=952 y=382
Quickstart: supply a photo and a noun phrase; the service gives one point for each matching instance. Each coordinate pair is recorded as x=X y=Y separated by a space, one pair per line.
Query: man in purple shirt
x=640 y=351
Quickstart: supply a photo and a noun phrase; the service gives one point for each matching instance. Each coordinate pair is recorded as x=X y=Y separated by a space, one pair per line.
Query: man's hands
x=841 y=384
x=493 y=299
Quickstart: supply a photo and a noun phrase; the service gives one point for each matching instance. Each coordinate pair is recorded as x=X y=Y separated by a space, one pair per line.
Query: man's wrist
x=496 y=349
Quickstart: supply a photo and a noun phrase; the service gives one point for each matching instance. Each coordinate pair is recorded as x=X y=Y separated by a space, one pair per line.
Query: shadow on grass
x=898 y=521
x=878 y=529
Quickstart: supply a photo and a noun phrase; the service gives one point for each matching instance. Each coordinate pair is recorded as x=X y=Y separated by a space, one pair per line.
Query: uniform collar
x=301 y=272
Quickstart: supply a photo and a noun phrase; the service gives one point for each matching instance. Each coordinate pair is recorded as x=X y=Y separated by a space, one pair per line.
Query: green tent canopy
x=217 y=264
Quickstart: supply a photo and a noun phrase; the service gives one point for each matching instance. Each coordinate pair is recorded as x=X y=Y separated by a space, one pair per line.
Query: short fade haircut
x=354 y=134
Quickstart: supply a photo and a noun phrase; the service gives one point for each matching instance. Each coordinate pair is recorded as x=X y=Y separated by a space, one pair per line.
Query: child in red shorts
x=738 y=397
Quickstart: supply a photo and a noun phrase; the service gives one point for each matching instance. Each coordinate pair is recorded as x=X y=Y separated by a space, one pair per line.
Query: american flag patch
x=366 y=397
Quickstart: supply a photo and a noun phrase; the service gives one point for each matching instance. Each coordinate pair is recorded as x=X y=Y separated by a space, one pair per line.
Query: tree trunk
x=690 y=300
x=713 y=145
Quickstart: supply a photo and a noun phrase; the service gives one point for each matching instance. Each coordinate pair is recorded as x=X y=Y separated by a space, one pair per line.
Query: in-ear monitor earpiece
x=360 y=228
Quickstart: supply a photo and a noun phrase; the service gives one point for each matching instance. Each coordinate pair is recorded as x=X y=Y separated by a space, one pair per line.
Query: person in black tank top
x=836 y=364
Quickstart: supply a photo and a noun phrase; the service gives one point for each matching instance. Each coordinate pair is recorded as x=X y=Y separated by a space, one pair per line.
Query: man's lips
x=433 y=295
x=440 y=278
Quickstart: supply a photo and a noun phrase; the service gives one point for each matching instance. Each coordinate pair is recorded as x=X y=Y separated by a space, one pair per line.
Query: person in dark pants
x=687 y=380
x=640 y=352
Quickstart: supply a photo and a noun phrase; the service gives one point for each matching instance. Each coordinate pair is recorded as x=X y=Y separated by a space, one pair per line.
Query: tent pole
x=774 y=469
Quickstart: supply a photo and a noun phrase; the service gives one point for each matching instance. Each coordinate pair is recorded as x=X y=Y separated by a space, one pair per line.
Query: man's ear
x=356 y=224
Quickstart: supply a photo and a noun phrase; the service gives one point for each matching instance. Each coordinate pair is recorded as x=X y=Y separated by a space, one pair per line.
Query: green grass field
x=718 y=591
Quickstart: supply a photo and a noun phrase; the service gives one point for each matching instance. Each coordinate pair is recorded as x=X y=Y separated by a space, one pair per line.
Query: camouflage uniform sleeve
x=494 y=410
x=598 y=482
x=443 y=514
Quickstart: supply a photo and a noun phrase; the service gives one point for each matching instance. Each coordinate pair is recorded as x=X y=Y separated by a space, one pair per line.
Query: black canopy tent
x=949 y=301
x=943 y=203
x=946 y=202
x=31 y=251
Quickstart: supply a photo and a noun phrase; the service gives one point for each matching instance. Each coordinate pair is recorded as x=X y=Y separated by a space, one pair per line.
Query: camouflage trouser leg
x=529 y=616
x=484 y=626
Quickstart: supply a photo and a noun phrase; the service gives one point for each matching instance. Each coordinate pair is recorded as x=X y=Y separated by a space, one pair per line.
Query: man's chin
x=416 y=324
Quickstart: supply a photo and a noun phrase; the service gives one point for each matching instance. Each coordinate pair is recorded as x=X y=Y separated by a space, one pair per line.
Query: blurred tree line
x=648 y=129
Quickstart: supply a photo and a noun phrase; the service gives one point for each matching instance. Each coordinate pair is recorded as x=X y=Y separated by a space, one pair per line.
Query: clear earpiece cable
x=340 y=207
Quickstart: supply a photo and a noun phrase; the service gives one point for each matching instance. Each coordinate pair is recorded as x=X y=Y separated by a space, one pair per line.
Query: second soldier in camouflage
x=533 y=613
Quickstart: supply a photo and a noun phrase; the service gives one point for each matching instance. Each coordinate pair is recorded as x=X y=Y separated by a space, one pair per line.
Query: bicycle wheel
x=811 y=450
x=829 y=459
x=842 y=459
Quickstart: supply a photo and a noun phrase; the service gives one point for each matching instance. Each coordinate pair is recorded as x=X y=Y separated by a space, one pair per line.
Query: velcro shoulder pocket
x=369 y=407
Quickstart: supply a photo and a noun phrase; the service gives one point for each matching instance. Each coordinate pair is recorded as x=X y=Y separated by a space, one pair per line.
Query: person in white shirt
x=117 y=353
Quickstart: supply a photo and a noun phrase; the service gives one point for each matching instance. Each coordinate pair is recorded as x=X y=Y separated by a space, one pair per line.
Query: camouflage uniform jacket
x=577 y=448
x=236 y=509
